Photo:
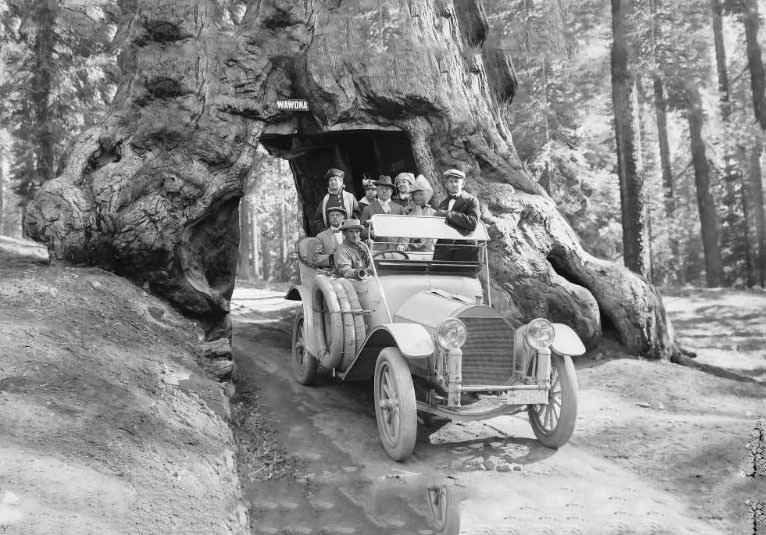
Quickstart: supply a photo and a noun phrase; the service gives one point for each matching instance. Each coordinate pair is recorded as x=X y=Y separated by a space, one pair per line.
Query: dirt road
x=480 y=478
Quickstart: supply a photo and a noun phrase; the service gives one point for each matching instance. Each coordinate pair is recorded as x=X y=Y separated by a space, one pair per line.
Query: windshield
x=409 y=226
x=401 y=243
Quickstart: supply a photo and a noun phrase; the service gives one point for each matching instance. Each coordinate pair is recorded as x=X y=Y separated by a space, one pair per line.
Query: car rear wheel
x=304 y=365
x=554 y=423
x=395 y=406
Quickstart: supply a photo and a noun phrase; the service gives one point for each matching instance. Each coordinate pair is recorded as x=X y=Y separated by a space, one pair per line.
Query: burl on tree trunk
x=152 y=191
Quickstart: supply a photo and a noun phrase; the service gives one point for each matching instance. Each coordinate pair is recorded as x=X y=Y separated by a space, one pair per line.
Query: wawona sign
x=293 y=104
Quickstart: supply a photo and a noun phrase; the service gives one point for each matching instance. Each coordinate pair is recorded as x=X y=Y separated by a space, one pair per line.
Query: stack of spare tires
x=343 y=331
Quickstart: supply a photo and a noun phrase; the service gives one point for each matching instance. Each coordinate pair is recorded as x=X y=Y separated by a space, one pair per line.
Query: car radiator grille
x=487 y=352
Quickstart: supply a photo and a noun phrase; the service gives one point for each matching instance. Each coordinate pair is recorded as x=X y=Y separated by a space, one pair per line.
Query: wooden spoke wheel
x=395 y=407
x=554 y=423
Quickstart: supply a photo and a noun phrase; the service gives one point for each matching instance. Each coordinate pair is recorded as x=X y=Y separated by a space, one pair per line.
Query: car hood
x=431 y=307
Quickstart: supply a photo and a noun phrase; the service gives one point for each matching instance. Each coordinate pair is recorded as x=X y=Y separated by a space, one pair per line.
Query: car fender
x=301 y=293
x=566 y=341
x=411 y=339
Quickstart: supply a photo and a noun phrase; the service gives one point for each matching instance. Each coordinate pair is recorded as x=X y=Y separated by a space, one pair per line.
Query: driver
x=352 y=255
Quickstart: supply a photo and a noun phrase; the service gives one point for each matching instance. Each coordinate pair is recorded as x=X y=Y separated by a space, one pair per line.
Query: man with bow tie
x=331 y=237
x=460 y=211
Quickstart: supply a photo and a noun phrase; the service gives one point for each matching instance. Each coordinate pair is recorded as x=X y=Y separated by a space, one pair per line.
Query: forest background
x=643 y=119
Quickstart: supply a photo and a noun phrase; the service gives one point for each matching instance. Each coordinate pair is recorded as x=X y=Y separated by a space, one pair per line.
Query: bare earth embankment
x=107 y=423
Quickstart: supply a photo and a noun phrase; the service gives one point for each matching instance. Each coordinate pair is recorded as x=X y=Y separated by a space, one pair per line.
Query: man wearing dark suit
x=331 y=237
x=382 y=205
x=461 y=211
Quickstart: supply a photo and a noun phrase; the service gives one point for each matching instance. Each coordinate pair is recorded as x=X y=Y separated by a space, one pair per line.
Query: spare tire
x=349 y=336
x=359 y=327
x=328 y=324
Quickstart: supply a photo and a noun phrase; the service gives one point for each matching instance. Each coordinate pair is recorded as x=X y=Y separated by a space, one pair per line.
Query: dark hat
x=457 y=173
x=334 y=172
x=384 y=180
x=337 y=209
x=351 y=224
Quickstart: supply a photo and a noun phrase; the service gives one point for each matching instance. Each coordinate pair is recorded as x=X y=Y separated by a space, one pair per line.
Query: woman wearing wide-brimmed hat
x=404 y=183
x=421 y=195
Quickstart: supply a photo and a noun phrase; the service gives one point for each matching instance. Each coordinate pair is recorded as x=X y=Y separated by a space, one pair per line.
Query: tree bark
x=152 y=190
x=41 y=87
x=707 y=209
x=751 y=20
x=245 y=242
x=755 y=192
x=627 y=134
x=720 y=57
x=3 y=215
x=660 y=110
x=256 y=236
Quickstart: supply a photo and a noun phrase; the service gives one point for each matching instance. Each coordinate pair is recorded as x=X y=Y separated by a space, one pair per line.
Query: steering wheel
x=380 y=253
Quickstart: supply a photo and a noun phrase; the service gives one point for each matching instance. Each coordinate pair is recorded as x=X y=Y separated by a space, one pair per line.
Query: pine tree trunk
x=152 y=190
x=720 y=57
x=660 y=110
x=627 y=124
x=243 y=270
x=256 y=231
x=751 y=20
x=707 y=210
x=755 y=183
x=41 y=84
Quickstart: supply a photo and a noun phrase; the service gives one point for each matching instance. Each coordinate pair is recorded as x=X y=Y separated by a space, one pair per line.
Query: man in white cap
x=331 y=237
x=461 y=211
x=352 y=255
x=335 y=196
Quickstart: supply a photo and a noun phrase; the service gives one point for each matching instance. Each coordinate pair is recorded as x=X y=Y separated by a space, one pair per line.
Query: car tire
x=349 y=332
x=395 y=405
x=304 y=365
x=554 y=423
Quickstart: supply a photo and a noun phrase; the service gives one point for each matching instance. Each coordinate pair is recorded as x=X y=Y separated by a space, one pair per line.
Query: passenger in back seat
x=331 y=237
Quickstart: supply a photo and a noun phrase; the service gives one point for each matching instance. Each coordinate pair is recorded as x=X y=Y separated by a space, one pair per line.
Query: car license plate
x=527 y=397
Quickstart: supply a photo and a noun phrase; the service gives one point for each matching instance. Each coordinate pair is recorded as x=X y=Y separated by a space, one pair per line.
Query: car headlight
x=451 y=334
x=540 y=333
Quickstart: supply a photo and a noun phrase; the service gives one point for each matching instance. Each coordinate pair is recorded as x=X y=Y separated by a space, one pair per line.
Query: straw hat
x=351 y=224
x=421 y=184
x=409 y=177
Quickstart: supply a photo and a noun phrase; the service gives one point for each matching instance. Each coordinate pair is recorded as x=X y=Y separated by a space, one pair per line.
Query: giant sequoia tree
x=152 y=191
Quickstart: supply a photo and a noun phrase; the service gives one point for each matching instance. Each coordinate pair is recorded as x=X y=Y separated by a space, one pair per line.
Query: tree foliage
x=59 y=74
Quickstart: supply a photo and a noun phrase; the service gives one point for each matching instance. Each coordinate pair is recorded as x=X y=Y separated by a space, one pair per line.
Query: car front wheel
x=304 y=365
x=554 y=423
x=395 y=406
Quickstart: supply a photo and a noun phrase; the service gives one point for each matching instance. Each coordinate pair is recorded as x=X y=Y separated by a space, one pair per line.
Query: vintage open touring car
x=424 y=331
